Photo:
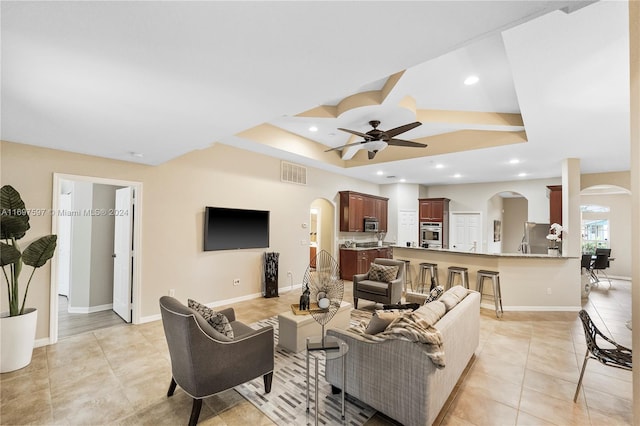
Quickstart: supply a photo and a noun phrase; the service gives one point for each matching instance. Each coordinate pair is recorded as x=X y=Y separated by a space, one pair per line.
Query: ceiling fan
x=376 y=140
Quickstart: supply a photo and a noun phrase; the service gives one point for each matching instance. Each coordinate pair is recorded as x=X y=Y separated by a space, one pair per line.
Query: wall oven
x=431 y=234
x=371 y=224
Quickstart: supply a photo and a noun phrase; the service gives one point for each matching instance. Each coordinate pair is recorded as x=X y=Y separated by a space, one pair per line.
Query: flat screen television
x=230 y=229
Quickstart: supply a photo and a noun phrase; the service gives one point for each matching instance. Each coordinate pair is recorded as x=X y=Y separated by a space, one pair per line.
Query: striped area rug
x=286 y=404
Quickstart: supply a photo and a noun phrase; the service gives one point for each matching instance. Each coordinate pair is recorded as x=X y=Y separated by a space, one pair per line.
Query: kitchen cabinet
x=355 y=206
x=358 y=261
x=433 y=209
x=555 y=204
x=436 y=210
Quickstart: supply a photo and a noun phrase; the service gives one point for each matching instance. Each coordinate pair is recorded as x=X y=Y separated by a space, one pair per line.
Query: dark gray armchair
x=205 y=362
x=382 y=292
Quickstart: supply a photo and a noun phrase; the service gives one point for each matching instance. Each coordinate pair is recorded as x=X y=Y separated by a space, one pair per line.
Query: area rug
x=286 y=404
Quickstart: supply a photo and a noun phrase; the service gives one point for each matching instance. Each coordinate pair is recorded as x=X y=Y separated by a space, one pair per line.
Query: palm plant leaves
x=40 y=251
x=8 y=254
x=14 y=218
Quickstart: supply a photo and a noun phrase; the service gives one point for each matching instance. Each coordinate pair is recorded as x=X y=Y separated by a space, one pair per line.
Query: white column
x=571 y=239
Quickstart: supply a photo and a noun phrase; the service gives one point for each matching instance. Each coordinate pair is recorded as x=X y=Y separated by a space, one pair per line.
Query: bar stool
x=460 y=271
x=432 y=269
x=497 y=293
x=407 y=274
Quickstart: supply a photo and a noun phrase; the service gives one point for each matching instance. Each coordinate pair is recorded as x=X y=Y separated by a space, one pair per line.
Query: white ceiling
x=164 y=78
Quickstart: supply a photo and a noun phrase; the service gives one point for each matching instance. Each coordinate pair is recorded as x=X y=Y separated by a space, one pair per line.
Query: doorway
x=321 y=227
x=85 y=294
x=466 y=231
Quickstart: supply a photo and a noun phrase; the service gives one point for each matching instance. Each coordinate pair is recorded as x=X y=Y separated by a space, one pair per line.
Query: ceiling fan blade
x=353 y=132
x=371 y=154
x=396 y=131
x=339 y=148
x=401 y=142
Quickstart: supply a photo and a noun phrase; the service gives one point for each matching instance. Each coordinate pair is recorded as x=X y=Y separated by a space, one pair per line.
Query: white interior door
x=123 y=253
x=408 y=227
x=465 y=232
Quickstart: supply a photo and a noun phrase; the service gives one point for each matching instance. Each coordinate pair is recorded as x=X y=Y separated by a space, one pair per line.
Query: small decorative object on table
x=555 y=237
x=304 y=299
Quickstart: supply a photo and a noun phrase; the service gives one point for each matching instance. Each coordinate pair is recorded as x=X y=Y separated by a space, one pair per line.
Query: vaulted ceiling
x=149 y=81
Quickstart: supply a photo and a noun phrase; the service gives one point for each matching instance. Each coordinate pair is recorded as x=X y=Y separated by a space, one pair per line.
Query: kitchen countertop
x=471 y=253
x=366 y=246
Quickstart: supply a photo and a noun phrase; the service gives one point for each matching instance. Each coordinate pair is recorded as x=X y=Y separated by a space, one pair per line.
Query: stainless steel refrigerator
x=535 y=240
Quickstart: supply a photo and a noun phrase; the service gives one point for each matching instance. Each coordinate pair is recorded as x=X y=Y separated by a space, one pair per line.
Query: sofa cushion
x=374 y=287
x=434 y=294
x=383 y=273
x=453 y=296
x=382 y=318
x=431 y=312
x=217 y=320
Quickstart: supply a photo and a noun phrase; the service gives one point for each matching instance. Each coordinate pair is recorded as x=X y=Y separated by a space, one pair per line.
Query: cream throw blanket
x=416 y=326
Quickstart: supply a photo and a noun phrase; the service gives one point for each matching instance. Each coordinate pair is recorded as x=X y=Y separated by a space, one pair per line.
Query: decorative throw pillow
x=453 y=296
x=431 y=312
x=434 y=294
x=383 y=273
x=382 y=318
x=412 y=306
x=217 y=320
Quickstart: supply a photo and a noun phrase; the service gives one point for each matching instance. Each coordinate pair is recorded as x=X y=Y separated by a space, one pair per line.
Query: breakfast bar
x=529 y=282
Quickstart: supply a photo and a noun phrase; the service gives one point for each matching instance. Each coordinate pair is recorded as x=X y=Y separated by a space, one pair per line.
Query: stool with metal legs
x=407 y=274
x=497 y=293
x=432 y=269
x=461 y=272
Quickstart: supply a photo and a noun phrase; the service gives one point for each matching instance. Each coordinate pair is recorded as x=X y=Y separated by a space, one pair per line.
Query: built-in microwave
x=371 y=224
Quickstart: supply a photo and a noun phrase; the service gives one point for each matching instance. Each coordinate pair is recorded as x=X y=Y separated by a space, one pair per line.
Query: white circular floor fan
x=326 y=288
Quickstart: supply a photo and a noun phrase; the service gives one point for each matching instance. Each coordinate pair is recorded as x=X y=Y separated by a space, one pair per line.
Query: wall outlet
x=172 y=292
x=236 y=281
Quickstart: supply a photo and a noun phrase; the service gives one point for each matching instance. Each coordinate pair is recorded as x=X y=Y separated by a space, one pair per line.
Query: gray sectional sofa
x=395 y=376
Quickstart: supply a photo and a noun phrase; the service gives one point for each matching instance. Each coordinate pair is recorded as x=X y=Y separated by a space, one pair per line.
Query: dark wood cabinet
x=433 y=209
x=355 y=206
x=555 y=204
x=354 y=262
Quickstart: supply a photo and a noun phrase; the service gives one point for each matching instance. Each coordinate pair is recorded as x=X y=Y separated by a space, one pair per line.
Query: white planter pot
x=553 y=252
x=17 y=336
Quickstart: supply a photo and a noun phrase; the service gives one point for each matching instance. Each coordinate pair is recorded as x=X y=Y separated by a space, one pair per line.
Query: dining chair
x=614 y=355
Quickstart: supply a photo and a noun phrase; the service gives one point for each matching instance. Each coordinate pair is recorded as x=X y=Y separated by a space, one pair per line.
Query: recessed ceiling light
x=514 y=161
x=523 y=174
x=439 y=166
x=457 y=175
x=379 y=172
x=136 y=154
x=403 y=180
x=313 y=129
x=472 y=79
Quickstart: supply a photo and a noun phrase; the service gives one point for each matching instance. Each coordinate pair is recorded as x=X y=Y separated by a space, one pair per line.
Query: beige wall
x=174 y=197
x=514 y=217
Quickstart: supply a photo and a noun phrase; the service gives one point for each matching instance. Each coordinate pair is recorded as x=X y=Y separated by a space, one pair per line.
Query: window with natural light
x=595 y=234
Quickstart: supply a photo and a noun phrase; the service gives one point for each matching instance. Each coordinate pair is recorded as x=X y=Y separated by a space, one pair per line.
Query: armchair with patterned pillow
x=383 y=283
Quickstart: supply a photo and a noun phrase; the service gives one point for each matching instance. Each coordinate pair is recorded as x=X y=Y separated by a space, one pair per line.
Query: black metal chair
x=618 y=356
x=599 y=265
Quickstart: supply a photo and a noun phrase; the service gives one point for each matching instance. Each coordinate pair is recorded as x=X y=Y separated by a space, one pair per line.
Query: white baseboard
x=45 y=341
x=492 y=307
x=89 y=309
x=283 y=290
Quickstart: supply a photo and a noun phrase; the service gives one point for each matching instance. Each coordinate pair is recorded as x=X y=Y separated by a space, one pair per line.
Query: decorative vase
x=17 y=336
x=553 y=251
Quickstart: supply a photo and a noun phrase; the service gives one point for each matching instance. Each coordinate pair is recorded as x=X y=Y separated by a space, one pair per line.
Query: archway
x=321 y=227
x=605 y=212
x=507 y=212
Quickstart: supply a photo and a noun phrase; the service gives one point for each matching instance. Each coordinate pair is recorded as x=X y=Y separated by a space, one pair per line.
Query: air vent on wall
x=293 y=173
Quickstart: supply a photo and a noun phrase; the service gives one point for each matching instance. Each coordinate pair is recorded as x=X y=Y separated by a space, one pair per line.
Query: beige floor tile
x=525 y=419
x=106 y=403
x=603 y=401
x=602 y=418
x=473 y=406
x=34 y=408
x=493 y=387
x=174 y=410
x=38 y=364
x=554 y=410
x=550 y=385
x=500 y=368
x=243 y=414
x=23 y=386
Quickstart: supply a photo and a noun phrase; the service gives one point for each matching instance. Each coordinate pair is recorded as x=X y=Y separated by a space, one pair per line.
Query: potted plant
x=18 y=326
x=555 y=237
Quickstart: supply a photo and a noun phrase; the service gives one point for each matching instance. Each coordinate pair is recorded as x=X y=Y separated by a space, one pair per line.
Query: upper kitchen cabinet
x=434 y=209
x=355 y=206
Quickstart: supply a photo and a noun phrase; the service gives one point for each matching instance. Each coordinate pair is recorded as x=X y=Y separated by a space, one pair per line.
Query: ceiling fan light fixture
x=379 y=172
x=514 y=161
x=313 y=129
x=471 y=80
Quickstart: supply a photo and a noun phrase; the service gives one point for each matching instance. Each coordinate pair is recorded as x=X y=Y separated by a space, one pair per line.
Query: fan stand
x=323 y=344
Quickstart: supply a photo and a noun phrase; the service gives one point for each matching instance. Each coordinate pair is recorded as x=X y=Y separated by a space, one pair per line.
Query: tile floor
x=524 y=373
